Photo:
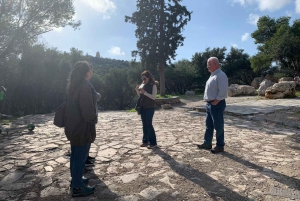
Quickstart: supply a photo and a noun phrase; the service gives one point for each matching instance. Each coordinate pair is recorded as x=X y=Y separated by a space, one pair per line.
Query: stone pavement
x=254 y=109
x=261 y=160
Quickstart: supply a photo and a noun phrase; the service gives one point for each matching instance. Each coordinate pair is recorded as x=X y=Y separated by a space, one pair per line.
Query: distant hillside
x=103 y=65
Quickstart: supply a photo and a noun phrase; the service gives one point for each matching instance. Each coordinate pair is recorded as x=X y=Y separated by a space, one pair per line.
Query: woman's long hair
x=77 y=76
x=149 y=75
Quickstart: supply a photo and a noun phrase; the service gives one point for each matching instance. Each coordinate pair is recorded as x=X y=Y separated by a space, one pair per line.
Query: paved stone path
x=261 y=162
x=253 y=107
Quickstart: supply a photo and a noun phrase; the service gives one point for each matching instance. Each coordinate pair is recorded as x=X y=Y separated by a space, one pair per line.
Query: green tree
x=75 y=55
x=237 y=66
x=199 y=61
x=279 y=42
x=37 y=84
x=180 y=77
x=159 y=26
x=118 y=93
x=23 y=20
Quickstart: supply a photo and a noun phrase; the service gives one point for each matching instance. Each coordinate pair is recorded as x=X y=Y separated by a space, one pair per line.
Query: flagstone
x=150 y=193
x=128 y=178
x=48 y=169
x=11 y=178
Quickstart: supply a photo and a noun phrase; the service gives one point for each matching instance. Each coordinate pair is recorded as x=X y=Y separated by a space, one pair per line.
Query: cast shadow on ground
x=102 y=191
x=281 y=178
x=210 y=185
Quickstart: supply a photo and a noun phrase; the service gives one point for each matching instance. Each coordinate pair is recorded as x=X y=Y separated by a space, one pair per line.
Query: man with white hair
x=216 y=89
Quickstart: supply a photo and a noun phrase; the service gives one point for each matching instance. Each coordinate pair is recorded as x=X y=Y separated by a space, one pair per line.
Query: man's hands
x=215 y=102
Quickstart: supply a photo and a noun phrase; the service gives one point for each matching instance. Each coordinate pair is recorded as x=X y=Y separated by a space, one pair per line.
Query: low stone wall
x=172 y=100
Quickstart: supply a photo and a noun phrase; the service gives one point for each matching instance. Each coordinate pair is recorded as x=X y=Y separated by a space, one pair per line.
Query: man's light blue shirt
x=216 y=87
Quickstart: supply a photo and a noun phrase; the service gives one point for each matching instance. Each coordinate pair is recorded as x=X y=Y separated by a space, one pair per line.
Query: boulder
x=284 y=89
x=263 y=87
x=286 y=79
x=256 y=81
x=189 y=93
x=240 y=90
x=297 y=80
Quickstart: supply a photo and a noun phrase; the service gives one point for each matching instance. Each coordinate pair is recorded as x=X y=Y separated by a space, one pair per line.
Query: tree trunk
x=161 y=49
x=162 y=84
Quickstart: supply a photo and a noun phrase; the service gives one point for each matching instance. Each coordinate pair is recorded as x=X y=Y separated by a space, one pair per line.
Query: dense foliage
x=36 y=81
x=159 y=26
x=35 y=76
x=21 y=21
x=278 y=42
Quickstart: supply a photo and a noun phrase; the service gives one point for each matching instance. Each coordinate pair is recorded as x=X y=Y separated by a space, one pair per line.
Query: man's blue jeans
x=148 y=130
x=78 y=157
x=215 y=120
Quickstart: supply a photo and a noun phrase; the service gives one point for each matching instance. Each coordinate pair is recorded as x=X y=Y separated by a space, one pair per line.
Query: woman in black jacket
x=80 y=124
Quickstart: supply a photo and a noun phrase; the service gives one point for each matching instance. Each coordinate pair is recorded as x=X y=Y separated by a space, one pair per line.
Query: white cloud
x=116 y=51
x=245 y=36
x=101 y=6
x=272 y=5
x=234 y=45
x=297 y=2
x=263 y=5
x=253 y=18
x=242 y=2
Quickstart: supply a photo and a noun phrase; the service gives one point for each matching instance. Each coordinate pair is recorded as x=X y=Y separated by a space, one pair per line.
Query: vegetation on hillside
x=35 y=76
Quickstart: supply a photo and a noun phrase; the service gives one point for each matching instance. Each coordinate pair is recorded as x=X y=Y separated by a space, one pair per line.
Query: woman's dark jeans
x=78 y=157
x=148 y=130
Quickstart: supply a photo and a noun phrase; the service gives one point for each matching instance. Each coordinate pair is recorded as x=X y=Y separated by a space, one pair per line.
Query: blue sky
x=214 y=23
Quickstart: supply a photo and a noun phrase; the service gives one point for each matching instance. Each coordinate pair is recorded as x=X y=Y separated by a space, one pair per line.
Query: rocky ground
x=261 y=159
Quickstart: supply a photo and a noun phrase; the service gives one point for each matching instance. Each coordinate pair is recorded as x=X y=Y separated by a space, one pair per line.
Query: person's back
x=80 y=120
x=81 y=116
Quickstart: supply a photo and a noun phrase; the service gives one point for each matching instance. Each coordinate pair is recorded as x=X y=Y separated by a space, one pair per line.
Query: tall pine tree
x=159 y=26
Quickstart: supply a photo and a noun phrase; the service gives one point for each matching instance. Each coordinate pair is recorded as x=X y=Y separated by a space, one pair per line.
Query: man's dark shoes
x=83 y=191
x=89 y=163
x=144 y=145
x=152 y=146
x=204 y=146
x=217 y=150
x=84 y=180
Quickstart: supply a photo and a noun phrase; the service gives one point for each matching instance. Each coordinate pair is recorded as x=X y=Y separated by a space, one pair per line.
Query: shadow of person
x=215 y=189
x=102 y=190
x=281 y=178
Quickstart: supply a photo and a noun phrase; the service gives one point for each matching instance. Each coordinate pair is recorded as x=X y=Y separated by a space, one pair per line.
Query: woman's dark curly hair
x=78 y=75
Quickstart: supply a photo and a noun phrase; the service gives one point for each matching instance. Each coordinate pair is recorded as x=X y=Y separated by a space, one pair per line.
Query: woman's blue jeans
x=215 y=120
x=78 y=157
x=148 y=130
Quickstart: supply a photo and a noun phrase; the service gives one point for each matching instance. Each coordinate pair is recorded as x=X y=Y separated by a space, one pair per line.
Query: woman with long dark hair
x=147 y=91
x=80 y=124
